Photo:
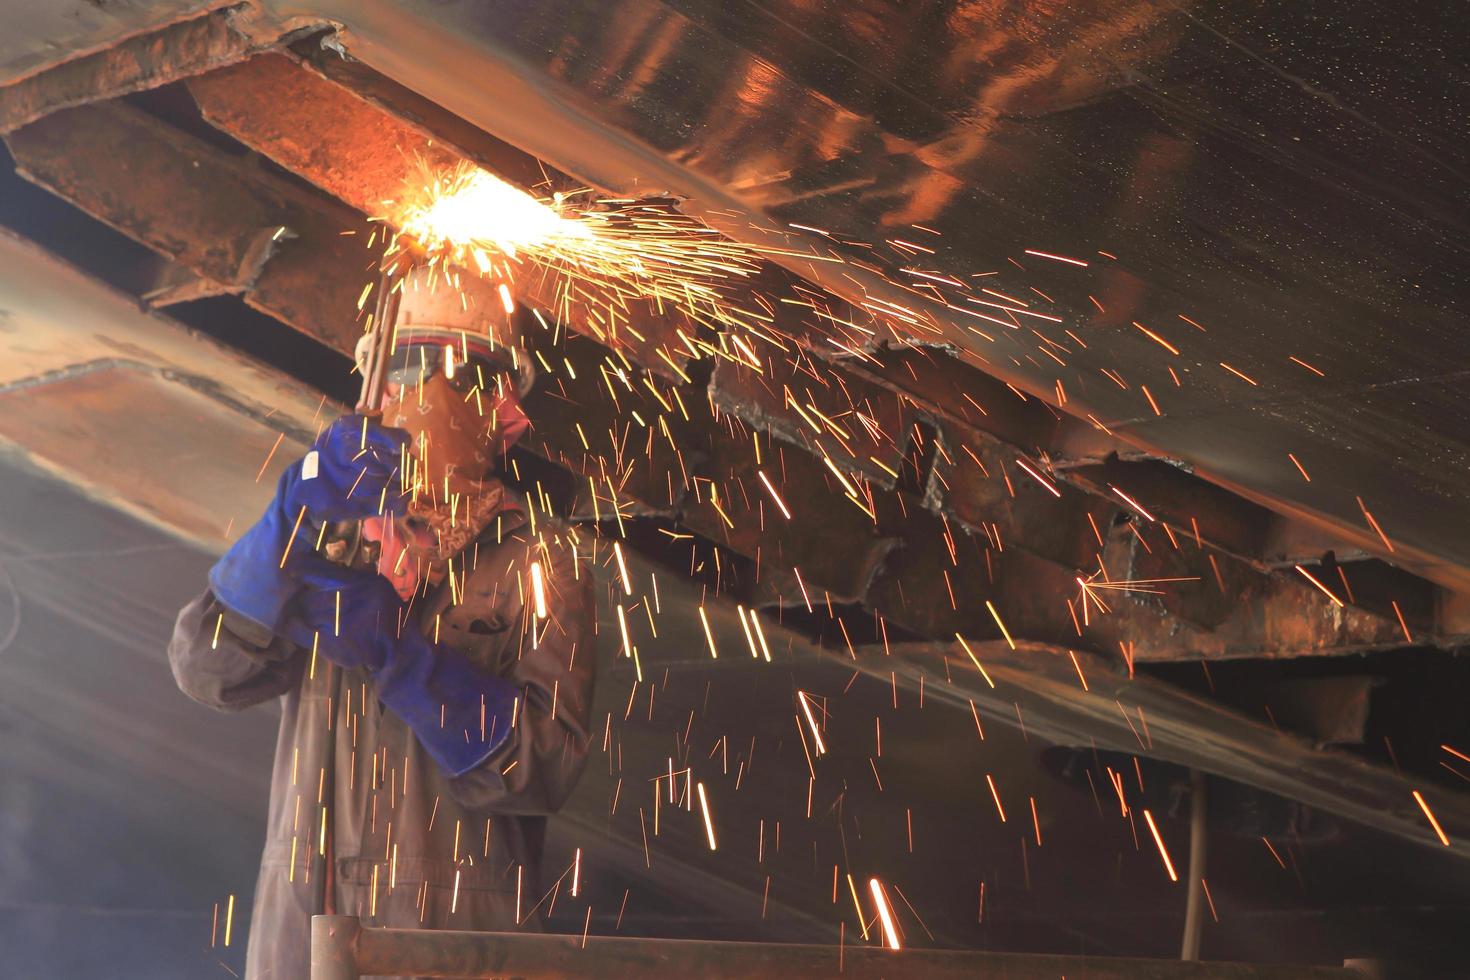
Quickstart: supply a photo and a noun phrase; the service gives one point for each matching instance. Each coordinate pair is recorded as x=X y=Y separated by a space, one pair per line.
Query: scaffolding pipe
x=1194 y=922
x=341 y=949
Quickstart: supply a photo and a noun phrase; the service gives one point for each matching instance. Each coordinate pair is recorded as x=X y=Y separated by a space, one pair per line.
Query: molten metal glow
x=605 y=255
x=470 y=205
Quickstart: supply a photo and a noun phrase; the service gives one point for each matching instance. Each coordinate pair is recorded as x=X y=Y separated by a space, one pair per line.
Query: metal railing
x=342 y=949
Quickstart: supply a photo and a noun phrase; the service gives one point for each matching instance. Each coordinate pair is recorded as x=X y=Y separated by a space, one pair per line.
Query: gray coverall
x=409 y=847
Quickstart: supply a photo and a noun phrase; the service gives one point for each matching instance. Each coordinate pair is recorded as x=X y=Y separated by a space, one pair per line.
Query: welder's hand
x=350 y=473
x=353 y=617
x=460 y=712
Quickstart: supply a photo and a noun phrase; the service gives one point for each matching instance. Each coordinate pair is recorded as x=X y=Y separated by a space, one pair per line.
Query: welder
x=434 y=708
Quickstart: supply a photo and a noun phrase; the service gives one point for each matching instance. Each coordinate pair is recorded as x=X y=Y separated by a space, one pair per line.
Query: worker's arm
x=537 y=768
x=459 y=712
x=226 y=661
x=512 y=742
x=225 y=650
x=349 y=474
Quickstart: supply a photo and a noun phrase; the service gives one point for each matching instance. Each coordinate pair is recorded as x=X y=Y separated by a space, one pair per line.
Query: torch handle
x=343 y=542
x=380 y=353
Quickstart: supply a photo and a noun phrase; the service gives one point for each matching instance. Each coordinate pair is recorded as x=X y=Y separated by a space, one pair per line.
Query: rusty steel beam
x=364 y=156
x=1095 y=701
x=323 y=57
x=666 y=472
x=341 y=949
x=924 y=570
x=142 y=62
x=367 y=158
x=1004 y=528
x=216 y=215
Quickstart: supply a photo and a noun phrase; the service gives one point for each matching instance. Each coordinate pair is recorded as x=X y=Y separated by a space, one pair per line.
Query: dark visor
x=414 y=364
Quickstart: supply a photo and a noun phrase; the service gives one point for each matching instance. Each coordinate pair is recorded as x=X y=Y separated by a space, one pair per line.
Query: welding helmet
x=454 y=325
x=457 y=374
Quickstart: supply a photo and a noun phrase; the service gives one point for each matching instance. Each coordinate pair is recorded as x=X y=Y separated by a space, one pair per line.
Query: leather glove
x=356 y=461
x=356 y=619
x=349 y=474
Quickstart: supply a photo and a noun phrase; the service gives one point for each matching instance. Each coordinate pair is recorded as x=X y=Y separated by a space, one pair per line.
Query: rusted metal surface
x=120 y=456
x=169 y=426
x=212 y=213
x=367 y=158
x=802 y=406
x=982 y=527
x=39 y=35
x=686 y=96
x=327 y=58
x=1138 y=714
x=145 y=61
x=343 y=950
x=1217 y=606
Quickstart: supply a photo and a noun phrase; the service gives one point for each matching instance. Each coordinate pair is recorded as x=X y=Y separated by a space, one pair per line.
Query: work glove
x=350 y=473
x=460 y=713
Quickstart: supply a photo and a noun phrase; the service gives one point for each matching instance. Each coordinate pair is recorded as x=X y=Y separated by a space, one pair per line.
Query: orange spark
x=890 y=934
x=1163 y=852
x=1236 y=373
x=1131 y=502
x=1038 y=477
x=1160 y=340
x=538 y=589
x=1325 y=590
x=708 y=635
x=995 y=794
x=1003 y=631
x=975 y=660
x=1418 y=798
x=1056 y=258
x=709 y=827
x=774 y=495
x=807 y=710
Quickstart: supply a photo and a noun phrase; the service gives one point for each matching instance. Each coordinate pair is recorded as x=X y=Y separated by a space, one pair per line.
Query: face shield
x=455 y=379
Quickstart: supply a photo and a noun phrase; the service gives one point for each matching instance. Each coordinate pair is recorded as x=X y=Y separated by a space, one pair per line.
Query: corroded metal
x=141 y=62
x=367 y=158
x=1068 y=697
x=212 y=213
x=1007 y=128
x=983 y=528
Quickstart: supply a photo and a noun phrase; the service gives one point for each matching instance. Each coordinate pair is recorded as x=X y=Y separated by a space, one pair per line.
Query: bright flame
x=471 y=205
x=608 y=255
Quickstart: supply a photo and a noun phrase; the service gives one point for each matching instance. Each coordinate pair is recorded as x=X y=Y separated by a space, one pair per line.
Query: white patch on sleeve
x=309 y=465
